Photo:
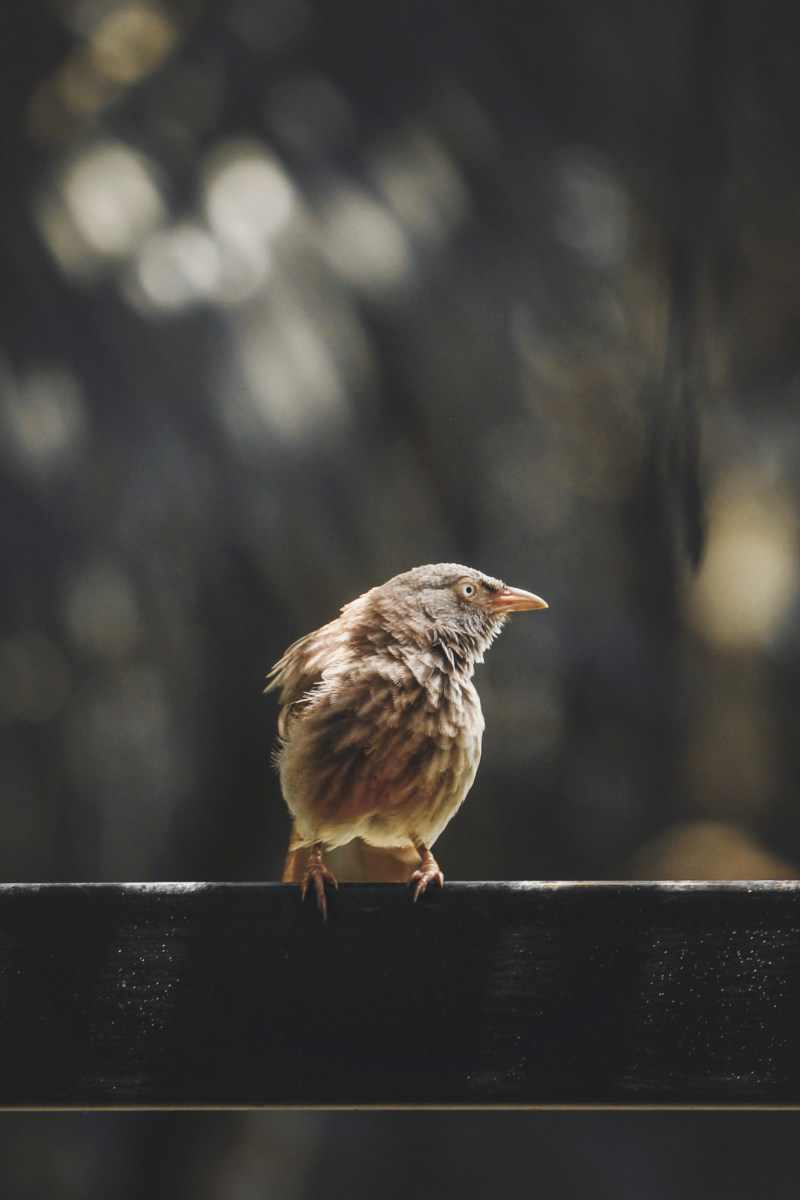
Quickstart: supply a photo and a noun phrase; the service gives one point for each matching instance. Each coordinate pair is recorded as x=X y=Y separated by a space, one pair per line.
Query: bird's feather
x=380 y=725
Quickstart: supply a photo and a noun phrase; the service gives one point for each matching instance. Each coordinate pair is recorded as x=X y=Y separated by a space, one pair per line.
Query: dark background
x=296 y=295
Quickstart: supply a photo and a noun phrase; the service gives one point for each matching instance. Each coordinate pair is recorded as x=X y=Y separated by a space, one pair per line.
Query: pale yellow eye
x=467 y=589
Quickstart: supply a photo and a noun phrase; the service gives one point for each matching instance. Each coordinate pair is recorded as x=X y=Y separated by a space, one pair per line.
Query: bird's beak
x=514 y=600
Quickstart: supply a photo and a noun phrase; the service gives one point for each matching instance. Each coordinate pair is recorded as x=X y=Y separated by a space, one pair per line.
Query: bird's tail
x=296 y=858
x=355 y=862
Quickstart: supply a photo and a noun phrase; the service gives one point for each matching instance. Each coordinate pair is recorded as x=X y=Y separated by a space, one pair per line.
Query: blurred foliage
x=298 y=295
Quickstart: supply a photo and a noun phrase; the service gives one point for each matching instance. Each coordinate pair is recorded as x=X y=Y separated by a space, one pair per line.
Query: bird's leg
x=316 y=870
x=427 y=872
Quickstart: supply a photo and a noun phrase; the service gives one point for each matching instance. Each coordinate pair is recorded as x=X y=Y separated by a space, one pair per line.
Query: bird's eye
x=467 y=589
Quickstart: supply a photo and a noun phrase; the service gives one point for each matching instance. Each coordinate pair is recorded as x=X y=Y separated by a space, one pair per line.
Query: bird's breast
x=384 y=752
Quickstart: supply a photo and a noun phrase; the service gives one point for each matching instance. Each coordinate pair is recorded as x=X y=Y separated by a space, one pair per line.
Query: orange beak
x=514 y=600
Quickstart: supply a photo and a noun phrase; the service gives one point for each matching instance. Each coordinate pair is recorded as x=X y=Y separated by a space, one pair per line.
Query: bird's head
x=457 y=607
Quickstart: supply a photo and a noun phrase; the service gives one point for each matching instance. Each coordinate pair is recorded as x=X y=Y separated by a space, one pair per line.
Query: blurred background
x=295 y=295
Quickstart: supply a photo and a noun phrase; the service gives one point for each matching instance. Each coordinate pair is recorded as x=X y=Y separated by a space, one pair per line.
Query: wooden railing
x=484 y=995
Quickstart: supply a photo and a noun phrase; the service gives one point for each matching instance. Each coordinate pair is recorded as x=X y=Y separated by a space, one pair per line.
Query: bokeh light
x=748 y=585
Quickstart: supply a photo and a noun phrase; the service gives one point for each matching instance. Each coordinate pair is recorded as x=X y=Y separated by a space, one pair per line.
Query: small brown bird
x=380 y=726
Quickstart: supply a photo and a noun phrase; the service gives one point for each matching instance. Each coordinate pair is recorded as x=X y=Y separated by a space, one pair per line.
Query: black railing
x=523 y=994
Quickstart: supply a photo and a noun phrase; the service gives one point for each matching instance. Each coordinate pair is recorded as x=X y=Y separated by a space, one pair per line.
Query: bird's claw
x=319 y=873
x=427 y=872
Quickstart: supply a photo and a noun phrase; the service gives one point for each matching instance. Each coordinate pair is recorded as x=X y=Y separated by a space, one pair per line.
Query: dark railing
x=484 y=995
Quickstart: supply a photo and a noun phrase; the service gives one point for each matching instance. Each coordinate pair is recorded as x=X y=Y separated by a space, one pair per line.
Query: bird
x=380 y=726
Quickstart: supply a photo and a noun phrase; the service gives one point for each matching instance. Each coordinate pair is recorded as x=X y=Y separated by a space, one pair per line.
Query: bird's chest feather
x=385 y=745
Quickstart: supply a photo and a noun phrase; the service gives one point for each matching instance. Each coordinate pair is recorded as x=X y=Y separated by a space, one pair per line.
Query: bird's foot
x=427 y=872
x=319 y=873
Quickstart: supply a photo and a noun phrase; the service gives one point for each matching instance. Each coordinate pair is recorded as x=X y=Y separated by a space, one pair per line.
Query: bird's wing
x=308 y=660
x=294 y=675
x=303 y=667
x=297 y=671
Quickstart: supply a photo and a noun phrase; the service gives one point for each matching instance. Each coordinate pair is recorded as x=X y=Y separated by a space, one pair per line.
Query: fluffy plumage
x=380 y=726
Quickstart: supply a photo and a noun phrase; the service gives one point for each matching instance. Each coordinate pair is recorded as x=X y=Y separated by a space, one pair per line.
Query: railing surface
x=528 y=994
